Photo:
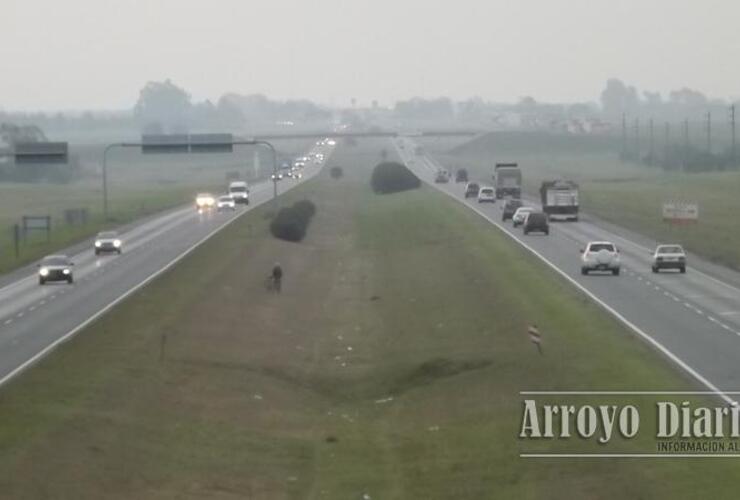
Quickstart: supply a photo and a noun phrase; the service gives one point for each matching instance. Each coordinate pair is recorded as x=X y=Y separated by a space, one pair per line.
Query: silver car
x=55 y=268
x=108 y=241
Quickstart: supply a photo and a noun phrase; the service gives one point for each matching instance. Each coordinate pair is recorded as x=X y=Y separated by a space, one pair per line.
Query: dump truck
x=560 y=199
x=507 y=179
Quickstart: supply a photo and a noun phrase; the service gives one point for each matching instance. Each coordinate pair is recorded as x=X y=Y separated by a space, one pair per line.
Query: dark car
x=510 y=208
x=471 y=190
x=461 y=175
x=536 y=222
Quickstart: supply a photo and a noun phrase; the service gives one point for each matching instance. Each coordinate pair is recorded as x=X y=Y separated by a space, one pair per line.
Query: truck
x=507 y=179
x=239 y=190
x=560 y=199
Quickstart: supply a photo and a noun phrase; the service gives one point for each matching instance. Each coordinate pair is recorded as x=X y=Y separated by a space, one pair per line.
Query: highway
x=693 y=319
x=34 y=319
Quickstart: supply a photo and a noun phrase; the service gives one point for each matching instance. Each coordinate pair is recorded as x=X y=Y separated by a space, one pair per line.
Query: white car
x=669 y=257
x=55 y=268
x=276 y=177
x=204 y=201
x=486 y=194
x=225 y=202
x=108 y=241
x=600 y=256
x=521 y=215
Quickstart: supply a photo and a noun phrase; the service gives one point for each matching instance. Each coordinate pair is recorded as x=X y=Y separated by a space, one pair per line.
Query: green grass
x=261 y=396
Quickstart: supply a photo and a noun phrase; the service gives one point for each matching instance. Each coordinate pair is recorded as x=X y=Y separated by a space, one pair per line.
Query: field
x=626 y=194
x=139 y=185
x=389 y=367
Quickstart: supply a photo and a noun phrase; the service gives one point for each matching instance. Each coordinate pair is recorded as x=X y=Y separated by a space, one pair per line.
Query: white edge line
x=46 y=350
x=678 y=361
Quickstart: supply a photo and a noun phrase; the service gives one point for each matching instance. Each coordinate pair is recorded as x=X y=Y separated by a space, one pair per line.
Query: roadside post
x=535 y=337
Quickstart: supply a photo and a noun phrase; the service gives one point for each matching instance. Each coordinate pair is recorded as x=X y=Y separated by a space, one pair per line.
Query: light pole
x=141 y=144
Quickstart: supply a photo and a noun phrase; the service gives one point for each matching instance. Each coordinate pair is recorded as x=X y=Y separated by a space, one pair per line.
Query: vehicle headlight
x=44 y=272
x=116 y=243
x=66 y=271
x=98 y=244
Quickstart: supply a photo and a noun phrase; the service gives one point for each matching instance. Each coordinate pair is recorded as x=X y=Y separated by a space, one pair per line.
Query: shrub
x=291 y=223
x=336 y=172
x=391 y=177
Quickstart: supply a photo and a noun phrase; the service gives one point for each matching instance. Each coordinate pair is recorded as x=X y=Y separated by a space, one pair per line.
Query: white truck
x=560 y=199
x=239 y=190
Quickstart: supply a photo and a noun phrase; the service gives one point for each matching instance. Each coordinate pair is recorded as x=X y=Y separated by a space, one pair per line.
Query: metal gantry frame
x=255 y=142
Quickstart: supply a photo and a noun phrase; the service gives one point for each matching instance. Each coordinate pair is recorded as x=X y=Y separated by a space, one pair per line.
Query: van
x=239 y=191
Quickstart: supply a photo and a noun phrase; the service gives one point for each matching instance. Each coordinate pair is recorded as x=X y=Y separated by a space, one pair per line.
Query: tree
x=164 y=102
x=618 y=98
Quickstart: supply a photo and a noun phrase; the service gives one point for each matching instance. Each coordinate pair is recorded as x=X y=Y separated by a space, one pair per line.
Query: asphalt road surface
x=34 y=319
x=692 y=318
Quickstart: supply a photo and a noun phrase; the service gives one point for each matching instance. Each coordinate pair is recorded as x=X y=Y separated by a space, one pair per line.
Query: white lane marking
x=667 y=352
x=7 y=321
x=19 y=315
x=43 y=352
x=42 y=302
x=32 y=308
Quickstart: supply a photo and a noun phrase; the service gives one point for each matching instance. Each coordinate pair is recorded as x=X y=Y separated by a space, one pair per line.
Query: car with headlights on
x=669 y=257
x=205 y=201
x=225 y=202
x=108 y=241
x=55 y=268
x=521 y=215
x=600 y=256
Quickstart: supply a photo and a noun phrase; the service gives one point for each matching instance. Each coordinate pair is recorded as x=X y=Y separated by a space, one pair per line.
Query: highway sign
x=680 y=212
x=34 y=153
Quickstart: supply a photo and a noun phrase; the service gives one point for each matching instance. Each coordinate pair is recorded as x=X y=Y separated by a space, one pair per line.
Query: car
x=108 y=241
x=442 y=177
x=276 y=177
x=461 y=175
x=670 y=256
x=204 y=201
x=471 y=190
x=486 y=194
x=225 y=202
x=510 y=207
x=55 y=268
x=600 y=256
x=536 y=222
x=239 y=191
x=520 y=215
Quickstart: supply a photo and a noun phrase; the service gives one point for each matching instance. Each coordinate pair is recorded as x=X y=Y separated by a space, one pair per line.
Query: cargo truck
x=560 y=199
x=507 y=180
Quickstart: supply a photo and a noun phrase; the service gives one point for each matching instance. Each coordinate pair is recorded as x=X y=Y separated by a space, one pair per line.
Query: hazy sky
x=97 y=54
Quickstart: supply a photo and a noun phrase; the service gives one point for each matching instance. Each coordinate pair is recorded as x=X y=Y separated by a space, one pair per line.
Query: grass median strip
x=390 y=366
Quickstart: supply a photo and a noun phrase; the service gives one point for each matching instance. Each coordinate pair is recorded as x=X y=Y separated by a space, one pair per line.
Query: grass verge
x=390 y=366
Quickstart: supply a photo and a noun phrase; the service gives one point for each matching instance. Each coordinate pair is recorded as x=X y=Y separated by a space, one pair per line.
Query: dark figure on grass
x=277 y=277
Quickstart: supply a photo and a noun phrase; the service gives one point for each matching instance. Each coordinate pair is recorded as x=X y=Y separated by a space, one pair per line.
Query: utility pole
x=624 y=136
x=637 y=139
x=667 y=152
x=652 y=140
x=709 y=132
x=685 y=144
x=732 y=132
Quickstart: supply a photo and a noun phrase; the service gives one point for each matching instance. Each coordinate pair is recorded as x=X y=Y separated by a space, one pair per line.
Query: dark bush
x=391 y=177
x=336 y=172
x=291 y=223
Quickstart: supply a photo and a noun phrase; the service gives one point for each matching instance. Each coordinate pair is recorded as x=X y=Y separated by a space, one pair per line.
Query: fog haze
x=94 y=54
